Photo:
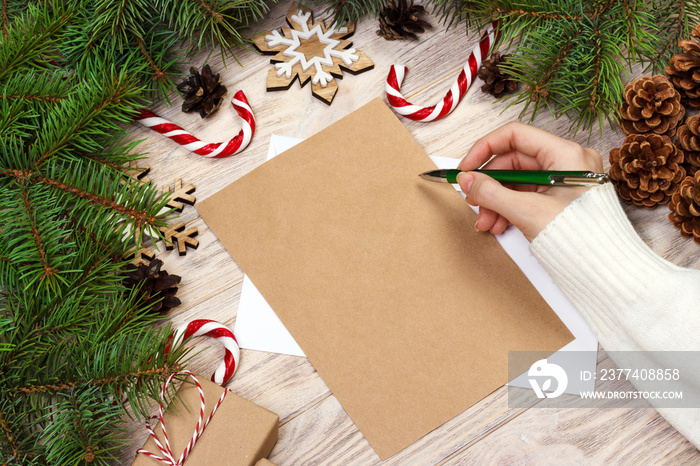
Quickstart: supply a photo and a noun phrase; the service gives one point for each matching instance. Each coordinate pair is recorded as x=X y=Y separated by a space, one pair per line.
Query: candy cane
x=416 y=112
x=191 y=143
x=210 y=328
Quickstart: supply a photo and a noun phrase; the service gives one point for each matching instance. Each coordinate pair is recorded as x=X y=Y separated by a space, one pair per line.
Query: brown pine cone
x=202 y=92
x=651 y=105
x=496 y=82
x=684 y=71
x=398 y=20
x=646 y=169
x=685 y=207
x=689 y=141
x=157 y=288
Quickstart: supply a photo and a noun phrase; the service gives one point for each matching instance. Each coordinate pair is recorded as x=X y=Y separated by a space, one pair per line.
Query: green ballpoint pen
x=526 y=177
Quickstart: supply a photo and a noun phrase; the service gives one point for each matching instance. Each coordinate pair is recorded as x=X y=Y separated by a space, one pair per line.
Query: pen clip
x=588 y=179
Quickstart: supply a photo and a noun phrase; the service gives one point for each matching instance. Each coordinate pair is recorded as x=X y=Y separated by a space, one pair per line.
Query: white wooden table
x=314 y=429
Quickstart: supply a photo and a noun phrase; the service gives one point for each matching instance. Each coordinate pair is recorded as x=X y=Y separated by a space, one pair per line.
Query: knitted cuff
x=597 y=259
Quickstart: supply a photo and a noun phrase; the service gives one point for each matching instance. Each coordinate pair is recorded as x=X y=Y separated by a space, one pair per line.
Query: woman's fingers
x=515 y=137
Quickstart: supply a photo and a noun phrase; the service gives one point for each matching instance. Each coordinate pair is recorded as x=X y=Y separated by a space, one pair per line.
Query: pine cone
x=155 y=284
x=651 y=105
x=684 y=71
x=689 y=142
x=202 y=92
x=646 y=169
x=398 y=20
x=685 y=207
x=496 y=82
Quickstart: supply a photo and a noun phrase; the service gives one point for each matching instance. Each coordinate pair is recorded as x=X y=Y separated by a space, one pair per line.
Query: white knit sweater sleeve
x=633 y=299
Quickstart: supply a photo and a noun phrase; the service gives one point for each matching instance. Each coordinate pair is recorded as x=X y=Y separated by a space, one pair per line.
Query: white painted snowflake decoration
x=312 y=52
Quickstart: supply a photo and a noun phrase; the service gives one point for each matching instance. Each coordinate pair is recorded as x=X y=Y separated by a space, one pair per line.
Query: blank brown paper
x=404 y=310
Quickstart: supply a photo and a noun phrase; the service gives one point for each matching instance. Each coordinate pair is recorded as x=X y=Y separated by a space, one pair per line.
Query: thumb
x=484 y=191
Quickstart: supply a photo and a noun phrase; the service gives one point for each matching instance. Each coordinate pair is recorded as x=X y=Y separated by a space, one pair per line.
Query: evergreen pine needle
x=78 y=351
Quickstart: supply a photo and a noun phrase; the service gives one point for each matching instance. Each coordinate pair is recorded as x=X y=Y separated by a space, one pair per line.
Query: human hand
x=517 y=146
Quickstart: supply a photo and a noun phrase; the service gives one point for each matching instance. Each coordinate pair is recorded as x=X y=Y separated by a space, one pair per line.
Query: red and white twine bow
x=206 y=149
x=419 y=113
x=213 y=329
x=202 y=423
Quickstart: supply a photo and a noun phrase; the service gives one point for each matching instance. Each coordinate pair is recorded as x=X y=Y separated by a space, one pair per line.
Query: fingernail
x=476 y=227
x=465 y=181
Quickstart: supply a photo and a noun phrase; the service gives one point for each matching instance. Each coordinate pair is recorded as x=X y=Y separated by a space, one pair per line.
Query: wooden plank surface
x=314 y=429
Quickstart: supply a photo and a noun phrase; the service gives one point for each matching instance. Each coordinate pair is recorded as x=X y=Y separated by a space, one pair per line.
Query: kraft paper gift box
x=240 y=433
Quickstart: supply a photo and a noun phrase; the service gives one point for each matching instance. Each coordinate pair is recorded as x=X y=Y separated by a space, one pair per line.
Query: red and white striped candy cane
x=211 y=328
x=164 y=447
x=416 y=112
x=206 y=149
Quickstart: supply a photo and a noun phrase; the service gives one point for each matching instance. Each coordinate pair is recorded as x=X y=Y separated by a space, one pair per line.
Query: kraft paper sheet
x=405 y=311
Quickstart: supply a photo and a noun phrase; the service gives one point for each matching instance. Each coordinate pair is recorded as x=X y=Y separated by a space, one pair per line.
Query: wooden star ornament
x=312 y=52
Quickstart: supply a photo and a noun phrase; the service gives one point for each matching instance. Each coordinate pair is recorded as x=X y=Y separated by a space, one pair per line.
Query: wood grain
x=314 y=428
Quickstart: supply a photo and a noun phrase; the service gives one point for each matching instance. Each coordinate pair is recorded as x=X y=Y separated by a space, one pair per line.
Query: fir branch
x=72 y=75
x=13 y=8
x=345 y=11
x=113 y=206
x=48 y=270
x=539 y=89
x=118 y=20
x=208 y=23
x=159 y=74
x=26 y=97
x=593 y=102
x=611 y=33
x=32 y=97
x=215 y=15
x=75 y=408
x=116 y=155
x=16 y=122
x=74 y=122
x=5 y=19
x=62 y=386
x=31 y=37
x=22 y=449
x=93 y=237
x=8 y=436
x=34 y=86
x=602 y=8
x=57 y=330
x=140 y=217
x=674 y=20
x=79 y=432
x=548 y=14
x=537 y=15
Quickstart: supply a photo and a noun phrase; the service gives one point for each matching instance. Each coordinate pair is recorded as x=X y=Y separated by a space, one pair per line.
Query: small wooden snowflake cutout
x=141 y=256
x=184 y=238
x=179 y=196
x=310 y=51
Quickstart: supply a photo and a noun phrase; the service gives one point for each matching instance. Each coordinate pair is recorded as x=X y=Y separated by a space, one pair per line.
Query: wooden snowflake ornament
x=139 y=174
x=184 y=237
x=141 y=256
x=180 y=196
x=311 y=51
